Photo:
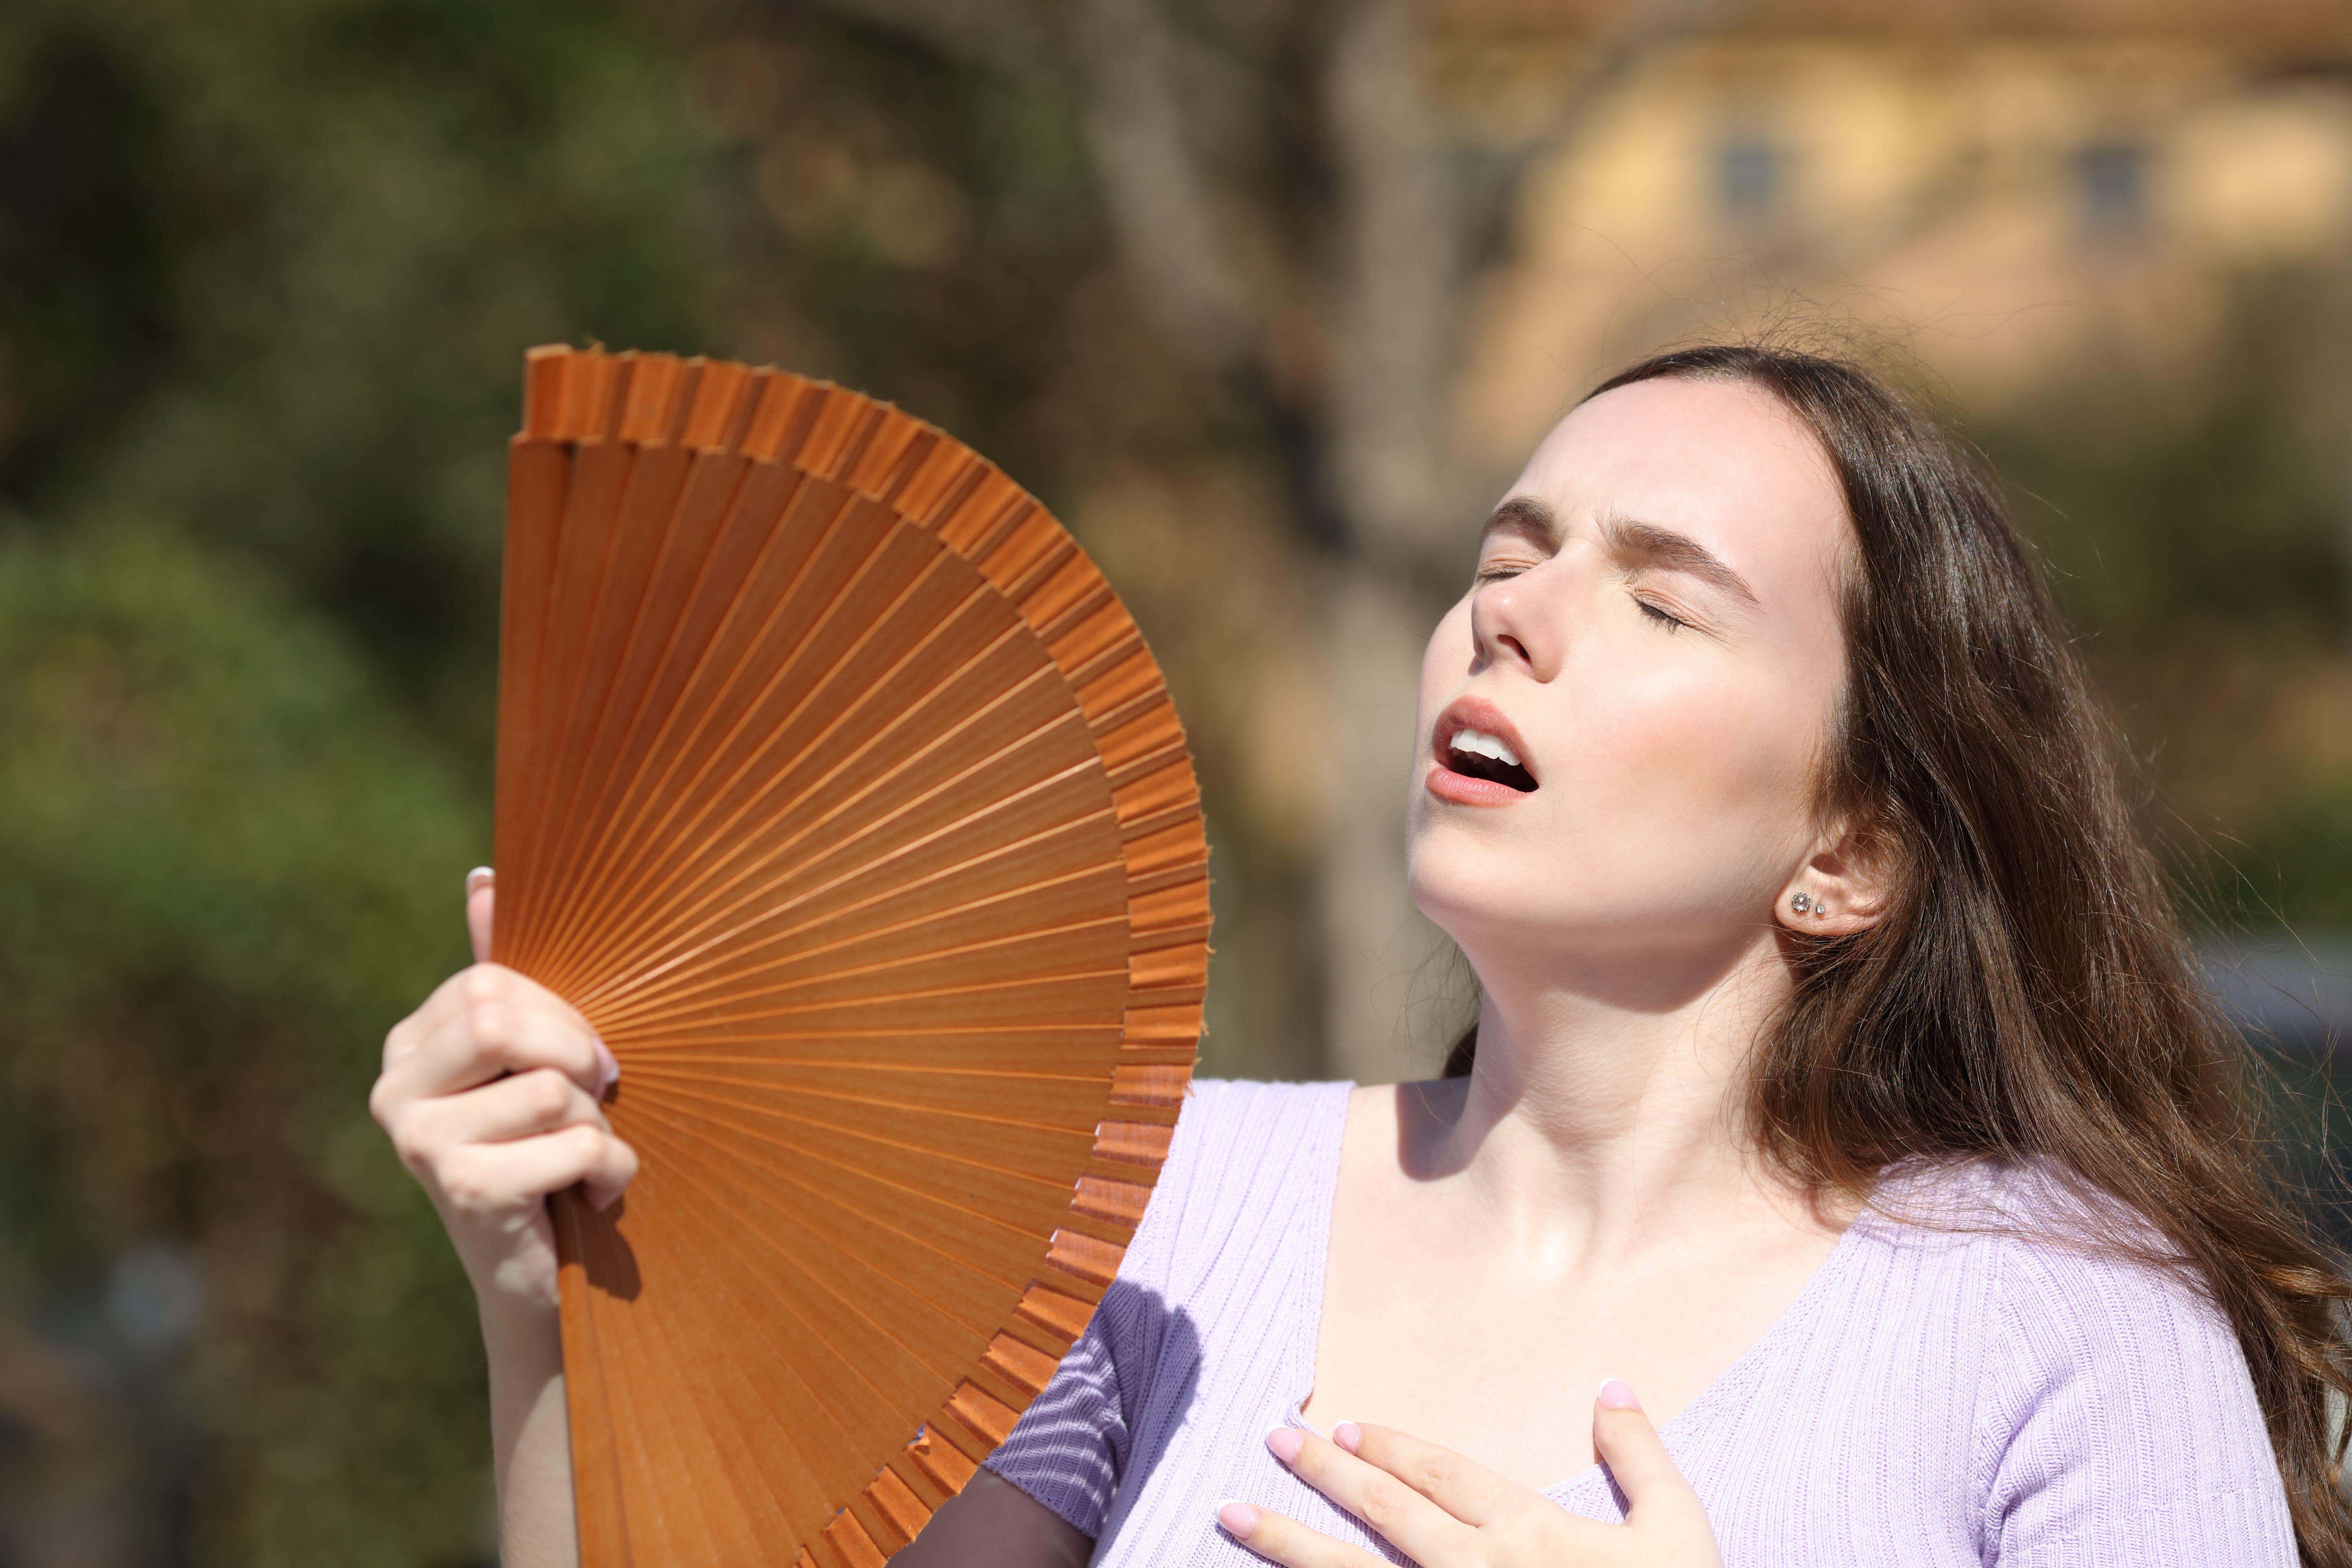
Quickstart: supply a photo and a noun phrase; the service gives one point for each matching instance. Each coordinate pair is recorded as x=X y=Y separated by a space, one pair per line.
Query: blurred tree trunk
x=1378 y=487
x=1326 y=301
x=1373 y=475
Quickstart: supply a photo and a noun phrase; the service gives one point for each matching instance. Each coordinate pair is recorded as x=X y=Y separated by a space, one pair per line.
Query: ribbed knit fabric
x=1933 y=1396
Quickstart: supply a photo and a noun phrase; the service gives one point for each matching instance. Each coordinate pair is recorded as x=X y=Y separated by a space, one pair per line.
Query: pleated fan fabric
x=839 y=792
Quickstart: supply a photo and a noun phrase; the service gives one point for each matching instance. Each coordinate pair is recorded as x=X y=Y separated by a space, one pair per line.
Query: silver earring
x=1800 y=903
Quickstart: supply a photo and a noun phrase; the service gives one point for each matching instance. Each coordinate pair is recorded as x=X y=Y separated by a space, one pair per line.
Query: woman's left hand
x=1445 y=1511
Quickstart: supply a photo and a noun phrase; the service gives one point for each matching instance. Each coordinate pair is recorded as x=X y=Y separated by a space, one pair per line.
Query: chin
x=1474 y=890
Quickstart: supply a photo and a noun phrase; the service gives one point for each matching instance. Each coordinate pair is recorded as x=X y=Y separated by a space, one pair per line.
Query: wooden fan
x=839 y=792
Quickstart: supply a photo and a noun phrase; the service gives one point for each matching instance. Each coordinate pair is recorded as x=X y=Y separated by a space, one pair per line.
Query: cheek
x=1693 y=766
x=1441 y=664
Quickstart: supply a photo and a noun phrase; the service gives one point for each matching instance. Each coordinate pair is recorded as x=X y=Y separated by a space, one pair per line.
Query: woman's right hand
x=491 y=1092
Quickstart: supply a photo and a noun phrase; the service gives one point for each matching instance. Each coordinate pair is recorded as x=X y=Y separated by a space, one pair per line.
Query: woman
x=1841 y=1085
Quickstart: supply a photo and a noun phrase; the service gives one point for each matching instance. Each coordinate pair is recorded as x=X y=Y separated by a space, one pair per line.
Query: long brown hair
x=2027 y=996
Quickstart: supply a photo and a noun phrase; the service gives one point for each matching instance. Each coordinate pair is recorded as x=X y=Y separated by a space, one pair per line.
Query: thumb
x=480 y=893
x=1630 y=1444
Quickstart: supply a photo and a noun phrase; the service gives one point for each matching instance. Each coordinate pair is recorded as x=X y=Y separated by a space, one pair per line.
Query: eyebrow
x=1629 y=539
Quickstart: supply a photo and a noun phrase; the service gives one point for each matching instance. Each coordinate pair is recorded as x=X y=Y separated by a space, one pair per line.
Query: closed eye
x=1671 y=623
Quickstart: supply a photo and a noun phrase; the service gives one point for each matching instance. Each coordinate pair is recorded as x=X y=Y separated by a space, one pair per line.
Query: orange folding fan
x=839 y=792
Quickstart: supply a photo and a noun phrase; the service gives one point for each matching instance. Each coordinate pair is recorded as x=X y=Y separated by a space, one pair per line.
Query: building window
x=1750 y=177
x=2111 y=183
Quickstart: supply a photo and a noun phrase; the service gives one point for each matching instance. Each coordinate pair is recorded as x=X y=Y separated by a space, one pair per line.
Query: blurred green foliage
x=226 y=860
x=2197 y=520
x=265 y=274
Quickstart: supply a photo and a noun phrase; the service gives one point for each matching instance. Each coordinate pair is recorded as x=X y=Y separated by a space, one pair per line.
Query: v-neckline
x=1742 y=1370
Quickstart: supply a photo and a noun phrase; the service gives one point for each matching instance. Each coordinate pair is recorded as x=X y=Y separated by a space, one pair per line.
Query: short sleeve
x=1070 y=1447
x=2120 y=1423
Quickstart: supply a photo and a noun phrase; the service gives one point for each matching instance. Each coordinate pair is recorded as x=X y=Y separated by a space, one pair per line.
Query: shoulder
x=1247 y=1162
x=2116 y=1397
x=1228 y=1129
x=2078 y=1288
x=1237 y=1107
x=2090 y=1291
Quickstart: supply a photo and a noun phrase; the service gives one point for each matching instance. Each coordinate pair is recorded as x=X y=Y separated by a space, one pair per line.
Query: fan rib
x=756 y=705
x=879 y=782
x=768 y=986
x=909 y=851
x=801 y=1293
x=702 y=705
x=887 y=1153
x=922 y=1363
x=641 y=989
x=736 y=1528
x=873 y=1101
x=970 y=994
x=600 y=1500
x=895 y=819
x=734 y=824
x=676 y=1057
x=593 y=486
x=678 y=485
x=802 y=1496
x=705 y=497
x=899 y=1149
x=738 y=551
x=732 y=713
x=538 y=475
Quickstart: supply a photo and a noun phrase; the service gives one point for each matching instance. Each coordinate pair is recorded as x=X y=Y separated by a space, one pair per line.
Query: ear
x=1846 y=884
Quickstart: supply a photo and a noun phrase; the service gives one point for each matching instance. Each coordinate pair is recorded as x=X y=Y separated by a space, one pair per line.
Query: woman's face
x=1653 y=637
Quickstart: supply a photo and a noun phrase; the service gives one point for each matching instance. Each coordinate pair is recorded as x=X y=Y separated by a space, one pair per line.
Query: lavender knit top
x=1932 y=1397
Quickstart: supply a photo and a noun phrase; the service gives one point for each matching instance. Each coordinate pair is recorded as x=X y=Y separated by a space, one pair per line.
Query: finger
x=499 y=1022
x=1462 y=1487
x=1280 y=1539
x=1630 y=1445
x=1408 y=1521
x=408 y=1036
x=469 y=987
x=481 y=891
x=487 y=1178
x=517 y=1106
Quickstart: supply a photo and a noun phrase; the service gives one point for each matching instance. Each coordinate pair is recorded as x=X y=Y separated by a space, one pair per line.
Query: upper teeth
x=1477 y=742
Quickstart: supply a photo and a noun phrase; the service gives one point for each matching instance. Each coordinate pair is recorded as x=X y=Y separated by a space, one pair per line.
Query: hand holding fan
x=840 y=793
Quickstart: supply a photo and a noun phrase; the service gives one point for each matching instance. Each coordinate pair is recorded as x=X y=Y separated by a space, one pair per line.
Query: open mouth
x=1475 y=740
x=1482 y=756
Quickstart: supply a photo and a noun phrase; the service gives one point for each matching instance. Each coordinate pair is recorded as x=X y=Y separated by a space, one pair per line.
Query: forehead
x=1722 y=461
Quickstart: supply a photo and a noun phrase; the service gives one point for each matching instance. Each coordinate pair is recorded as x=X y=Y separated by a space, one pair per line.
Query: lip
x=1462 y=789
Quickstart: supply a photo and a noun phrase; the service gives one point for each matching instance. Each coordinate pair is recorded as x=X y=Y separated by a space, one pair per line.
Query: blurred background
x=1267 y=299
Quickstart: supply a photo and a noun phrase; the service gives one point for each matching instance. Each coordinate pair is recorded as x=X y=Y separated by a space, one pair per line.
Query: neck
x=1606 y=1112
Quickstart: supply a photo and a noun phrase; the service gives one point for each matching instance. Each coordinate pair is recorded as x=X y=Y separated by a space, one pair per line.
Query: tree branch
x=1151 y=181
x=1394 y=322
x=1011 y=41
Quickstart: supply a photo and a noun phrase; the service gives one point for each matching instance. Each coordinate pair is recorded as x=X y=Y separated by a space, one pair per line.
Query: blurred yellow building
x=1997 y=189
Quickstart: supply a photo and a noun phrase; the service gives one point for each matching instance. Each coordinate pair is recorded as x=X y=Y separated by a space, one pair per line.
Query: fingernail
x=1239 y=1519
x=1617 y=1395
x=1286 y=1442
x=1348 y=1434
x=612 y=1066
x=476 y=877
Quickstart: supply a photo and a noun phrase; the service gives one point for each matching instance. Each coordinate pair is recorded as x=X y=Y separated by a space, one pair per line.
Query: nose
x=1514 y=621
